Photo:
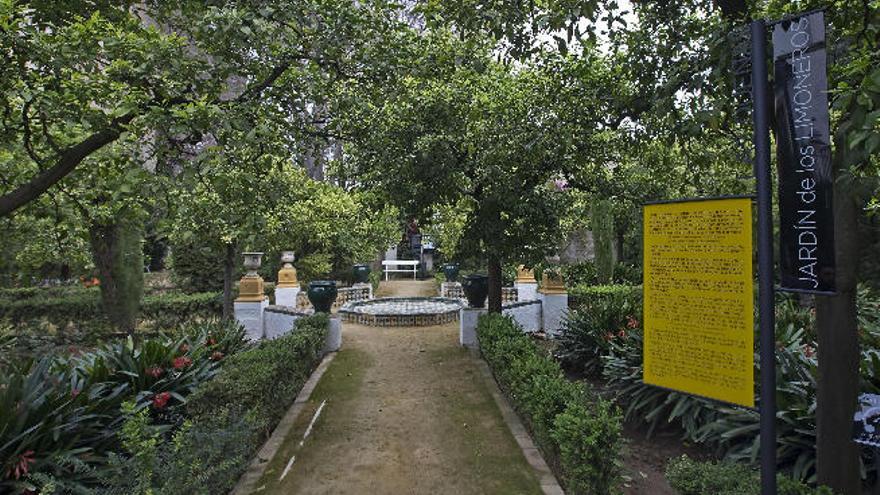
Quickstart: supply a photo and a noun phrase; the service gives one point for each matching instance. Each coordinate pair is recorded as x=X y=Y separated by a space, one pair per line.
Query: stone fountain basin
x=402 y=311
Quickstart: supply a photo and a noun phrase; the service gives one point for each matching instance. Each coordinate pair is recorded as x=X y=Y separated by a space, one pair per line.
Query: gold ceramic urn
x=250 y=288
x=524 y=275
x=287 y=273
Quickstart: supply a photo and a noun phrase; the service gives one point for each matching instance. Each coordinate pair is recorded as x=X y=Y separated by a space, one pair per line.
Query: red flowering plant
x=605 y=317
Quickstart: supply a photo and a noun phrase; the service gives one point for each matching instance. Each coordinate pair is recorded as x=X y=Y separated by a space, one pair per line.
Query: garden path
x=404 y=410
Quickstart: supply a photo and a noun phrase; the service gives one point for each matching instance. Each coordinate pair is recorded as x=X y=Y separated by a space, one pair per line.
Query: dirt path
x=404 y=412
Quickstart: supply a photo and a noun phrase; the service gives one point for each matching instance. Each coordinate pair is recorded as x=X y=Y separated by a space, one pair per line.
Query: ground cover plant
x=176 y=415
x=578 y=431
x=603 y=338
x=61 y=415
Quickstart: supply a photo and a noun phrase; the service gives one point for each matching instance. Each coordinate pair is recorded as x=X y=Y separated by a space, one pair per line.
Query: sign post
x=766 y=316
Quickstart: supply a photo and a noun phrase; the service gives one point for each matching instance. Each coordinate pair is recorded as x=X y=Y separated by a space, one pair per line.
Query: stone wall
x=526 y=313
x=279 y=320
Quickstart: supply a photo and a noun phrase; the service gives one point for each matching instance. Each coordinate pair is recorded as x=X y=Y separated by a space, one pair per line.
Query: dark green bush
x=689 y=477
x=584 y=273
x=580 y=432
x=604 y=313
x=265 y=379
x=197 y=266
x=230 y=416
x=83 y=308
x=590 y=295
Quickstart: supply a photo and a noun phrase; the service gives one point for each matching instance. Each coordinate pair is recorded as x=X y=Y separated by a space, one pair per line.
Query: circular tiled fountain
x=401 y=311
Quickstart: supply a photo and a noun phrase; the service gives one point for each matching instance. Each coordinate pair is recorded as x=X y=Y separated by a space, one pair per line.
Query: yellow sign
x=699 y=298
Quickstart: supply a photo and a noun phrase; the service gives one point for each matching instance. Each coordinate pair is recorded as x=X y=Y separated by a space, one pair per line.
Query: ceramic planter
x=450 y=271
x=476 y=288
x=361 y=273
x=288 y=257
x=321 y=294
x=252 y=262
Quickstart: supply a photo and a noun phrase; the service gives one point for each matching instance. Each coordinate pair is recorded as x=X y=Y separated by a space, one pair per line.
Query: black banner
x=806 y=247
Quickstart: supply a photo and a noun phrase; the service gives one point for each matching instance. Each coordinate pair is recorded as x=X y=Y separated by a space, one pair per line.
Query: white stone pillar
x=334 y=335
x=467 y=326
x=251 y=302
x=250 y=315
x=286 y=296
x=554 y=304
x=287 y=287
x=526 y=285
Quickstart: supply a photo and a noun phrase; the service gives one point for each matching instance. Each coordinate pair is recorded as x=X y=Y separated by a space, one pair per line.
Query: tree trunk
x=838 y=383
x=494 y=285
x=118 y=257
x=228 y=273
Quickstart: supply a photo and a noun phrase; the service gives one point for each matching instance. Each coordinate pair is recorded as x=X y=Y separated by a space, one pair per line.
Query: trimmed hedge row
x=164 y=310
x=228 y=418
x=586 y=296
x=689 y=477
x=579 y=431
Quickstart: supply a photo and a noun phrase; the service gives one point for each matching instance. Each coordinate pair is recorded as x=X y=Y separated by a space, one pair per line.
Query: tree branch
x=67 y=162
x=71 y=157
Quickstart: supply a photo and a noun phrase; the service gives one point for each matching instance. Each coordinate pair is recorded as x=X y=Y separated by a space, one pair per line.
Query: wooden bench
x=390 y=266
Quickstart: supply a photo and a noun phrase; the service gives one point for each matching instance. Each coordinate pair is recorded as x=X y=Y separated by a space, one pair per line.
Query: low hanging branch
x=71 y=157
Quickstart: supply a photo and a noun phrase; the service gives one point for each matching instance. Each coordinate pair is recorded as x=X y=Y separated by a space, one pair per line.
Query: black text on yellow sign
x=699 y=298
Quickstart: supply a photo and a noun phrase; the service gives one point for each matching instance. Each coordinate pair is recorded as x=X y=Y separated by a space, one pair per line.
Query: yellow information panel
x=699 y=301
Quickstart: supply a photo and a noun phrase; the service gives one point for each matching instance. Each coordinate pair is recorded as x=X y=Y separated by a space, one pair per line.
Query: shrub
x=588 y=296
x=604 y=313
x=689 y=477
x=266 y=378
x=580 y=432
x=83 y=308
x=583 y=273
x=229 y=417
x=59 y=417
x=197 y=266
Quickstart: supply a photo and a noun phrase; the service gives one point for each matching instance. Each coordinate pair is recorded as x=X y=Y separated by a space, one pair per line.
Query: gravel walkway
x=401 y=410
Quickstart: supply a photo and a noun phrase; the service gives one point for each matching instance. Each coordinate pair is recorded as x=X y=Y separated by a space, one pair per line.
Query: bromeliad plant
x=59 y=417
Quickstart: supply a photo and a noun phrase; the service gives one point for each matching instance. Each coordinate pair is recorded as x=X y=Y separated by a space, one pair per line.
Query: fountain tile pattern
x=401 y=311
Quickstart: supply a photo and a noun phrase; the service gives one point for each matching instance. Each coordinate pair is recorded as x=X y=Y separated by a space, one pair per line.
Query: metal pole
x=766 y=323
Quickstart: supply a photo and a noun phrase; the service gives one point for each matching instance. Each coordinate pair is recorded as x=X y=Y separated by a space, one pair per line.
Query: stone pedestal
x=287 y=287
x=250 y=315
x=467 y=326
x=526 y=291
x=554 y=307
x=286 y=296
x=250 y=304
x=334 y=335
x=554 y=299
x=526 y=285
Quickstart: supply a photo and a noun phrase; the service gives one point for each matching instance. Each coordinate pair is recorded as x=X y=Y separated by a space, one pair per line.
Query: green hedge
x=267 y=378
x=228 y=418
x=689 y=477
x=579 y=431
x=585 y=296
x=84 y=306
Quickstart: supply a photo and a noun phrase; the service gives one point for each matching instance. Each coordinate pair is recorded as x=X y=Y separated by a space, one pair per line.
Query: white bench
x=390 y=266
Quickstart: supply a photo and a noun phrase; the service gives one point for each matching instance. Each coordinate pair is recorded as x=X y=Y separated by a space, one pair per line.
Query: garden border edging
x=549 y=484
x=257 y=466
